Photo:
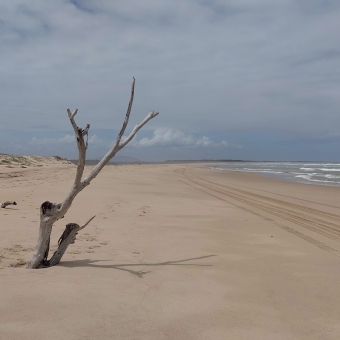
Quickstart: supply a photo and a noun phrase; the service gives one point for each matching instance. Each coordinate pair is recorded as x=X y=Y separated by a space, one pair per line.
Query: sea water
x=304 y=172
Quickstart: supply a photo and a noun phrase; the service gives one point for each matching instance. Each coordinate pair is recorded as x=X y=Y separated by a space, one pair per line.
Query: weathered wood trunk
x=48 y=216
x=68 y=237
x=52 y=212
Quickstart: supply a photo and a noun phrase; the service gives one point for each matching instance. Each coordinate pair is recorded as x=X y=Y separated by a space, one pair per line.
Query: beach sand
x=175 y=252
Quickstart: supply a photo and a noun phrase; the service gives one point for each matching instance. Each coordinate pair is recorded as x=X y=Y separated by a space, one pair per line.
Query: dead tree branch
x=68 y=237
x=51 y=212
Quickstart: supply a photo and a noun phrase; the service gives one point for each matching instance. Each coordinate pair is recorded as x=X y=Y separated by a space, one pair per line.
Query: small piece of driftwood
x=5 y=204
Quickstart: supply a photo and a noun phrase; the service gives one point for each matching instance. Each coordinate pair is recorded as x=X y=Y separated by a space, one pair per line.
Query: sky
x=231 y=79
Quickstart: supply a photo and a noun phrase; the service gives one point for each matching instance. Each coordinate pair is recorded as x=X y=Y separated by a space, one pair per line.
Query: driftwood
x=67 y=237
x=52 y=212
x=5 y=204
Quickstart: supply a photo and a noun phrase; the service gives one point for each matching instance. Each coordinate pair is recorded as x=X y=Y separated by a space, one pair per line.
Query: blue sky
x=241 y=79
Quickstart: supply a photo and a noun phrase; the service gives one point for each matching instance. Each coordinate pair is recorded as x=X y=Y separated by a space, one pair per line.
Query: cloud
x=166 y=137
x=52 y=141
x=204 y=141
x=68 y=139
x=163 y=137
x=94 y=140
x=230 y=145
x=211 y=67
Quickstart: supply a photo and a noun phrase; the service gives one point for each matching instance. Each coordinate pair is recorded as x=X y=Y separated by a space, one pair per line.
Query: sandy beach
x=175 y=252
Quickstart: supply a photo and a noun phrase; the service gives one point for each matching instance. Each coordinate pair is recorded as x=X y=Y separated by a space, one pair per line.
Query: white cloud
x=94 y=139
x=63 y=140
x=208 y=143
x=204 y=141
x=166 y=137
x=231 y=145
x=66 y=139
x=163 y=137
x=52 y=141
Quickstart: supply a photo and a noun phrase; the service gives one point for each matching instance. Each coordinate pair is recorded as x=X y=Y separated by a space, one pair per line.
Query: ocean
x=303 y=172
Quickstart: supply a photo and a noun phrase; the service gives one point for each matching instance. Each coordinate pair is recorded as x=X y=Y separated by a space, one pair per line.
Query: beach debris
x=52 y=212
x=5 y=204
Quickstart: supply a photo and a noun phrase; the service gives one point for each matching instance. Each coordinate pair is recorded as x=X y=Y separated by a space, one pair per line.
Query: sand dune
x=13 y=165
x=175 y=252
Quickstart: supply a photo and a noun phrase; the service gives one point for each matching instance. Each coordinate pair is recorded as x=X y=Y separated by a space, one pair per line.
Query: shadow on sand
x=90 y=263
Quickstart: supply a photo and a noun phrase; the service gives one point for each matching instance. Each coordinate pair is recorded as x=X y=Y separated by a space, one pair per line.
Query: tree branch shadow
x=90 y=263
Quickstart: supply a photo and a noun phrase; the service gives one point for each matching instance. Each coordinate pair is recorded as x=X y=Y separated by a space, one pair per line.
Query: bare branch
x=71 y=116
x=86 y=133
x=151 y=115
x=81 y=145
x=68 y=237
x=127 y=116
x=115 y=148
x=86 y=130
x=87 y=222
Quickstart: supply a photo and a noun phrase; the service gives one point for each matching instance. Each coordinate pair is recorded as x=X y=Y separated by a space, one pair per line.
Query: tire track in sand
x=317 y=221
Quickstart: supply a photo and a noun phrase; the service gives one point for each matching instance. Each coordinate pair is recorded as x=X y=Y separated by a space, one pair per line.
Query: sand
x=175 y=252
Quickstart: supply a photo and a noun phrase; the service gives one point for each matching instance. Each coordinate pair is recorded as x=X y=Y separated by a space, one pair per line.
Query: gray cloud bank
x=232 y=78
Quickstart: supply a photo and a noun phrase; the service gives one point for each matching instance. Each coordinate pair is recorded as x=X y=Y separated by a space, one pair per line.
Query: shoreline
x=289 y=176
